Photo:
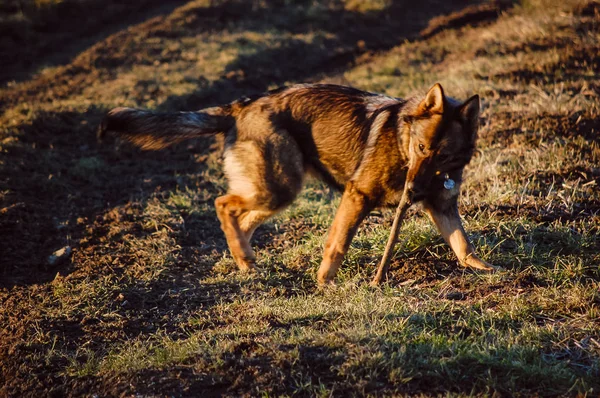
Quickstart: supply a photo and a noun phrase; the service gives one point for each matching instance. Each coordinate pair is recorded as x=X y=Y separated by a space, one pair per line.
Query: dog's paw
x=377 y=282
x=325 y=284
x=326 y=276
x=477 y=263
x=246 y=265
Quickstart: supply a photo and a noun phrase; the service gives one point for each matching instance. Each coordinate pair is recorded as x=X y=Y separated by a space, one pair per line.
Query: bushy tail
x=152 y=131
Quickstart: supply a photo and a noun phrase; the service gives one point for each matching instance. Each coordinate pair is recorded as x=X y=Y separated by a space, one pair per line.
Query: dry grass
x=149 y=302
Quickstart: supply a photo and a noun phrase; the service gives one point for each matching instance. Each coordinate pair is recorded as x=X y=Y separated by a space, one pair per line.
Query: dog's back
x=331 y=124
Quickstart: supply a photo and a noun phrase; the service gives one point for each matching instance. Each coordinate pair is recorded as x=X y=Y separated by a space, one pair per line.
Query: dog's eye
x=422 y=148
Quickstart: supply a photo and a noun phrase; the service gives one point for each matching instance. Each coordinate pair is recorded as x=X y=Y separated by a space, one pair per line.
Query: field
x=144 y=299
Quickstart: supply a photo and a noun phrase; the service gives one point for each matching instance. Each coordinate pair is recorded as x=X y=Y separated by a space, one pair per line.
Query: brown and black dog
x=365 y=144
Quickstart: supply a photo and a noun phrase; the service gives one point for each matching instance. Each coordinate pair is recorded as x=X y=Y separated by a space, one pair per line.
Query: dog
x=367 y=145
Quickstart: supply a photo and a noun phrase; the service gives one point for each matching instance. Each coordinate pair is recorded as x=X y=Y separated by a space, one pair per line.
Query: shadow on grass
x=434 y=365
x=61 y=185
x=40 y=34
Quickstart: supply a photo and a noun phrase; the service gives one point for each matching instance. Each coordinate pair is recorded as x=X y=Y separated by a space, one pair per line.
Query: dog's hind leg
x=239 y=223
x=353 y=209
x=230 y=208
x=264 y=175
x=250 y=220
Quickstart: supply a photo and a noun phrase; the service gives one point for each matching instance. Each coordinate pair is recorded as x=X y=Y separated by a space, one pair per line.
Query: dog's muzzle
x=414 y=194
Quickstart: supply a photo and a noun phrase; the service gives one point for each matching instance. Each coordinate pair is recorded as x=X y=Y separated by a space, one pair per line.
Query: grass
x=372 y=338
x=150 y=303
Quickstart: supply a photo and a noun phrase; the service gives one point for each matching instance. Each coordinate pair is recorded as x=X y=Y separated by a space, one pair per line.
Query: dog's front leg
x=353 y=209
x=447 y=221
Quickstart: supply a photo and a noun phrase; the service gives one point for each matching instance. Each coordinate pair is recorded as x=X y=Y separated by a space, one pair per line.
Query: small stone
x=60 y=255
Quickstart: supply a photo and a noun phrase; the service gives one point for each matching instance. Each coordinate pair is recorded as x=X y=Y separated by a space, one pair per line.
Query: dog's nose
x=414 y=194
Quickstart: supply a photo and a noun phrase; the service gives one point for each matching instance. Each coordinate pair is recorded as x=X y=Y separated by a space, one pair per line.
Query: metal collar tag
x=448 y=182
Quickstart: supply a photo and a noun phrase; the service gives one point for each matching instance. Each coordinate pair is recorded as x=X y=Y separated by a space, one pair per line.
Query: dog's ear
x=433 y=102
x=469 y=115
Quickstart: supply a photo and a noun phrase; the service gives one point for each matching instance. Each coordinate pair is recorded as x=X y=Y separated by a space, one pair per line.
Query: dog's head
x=442 y=134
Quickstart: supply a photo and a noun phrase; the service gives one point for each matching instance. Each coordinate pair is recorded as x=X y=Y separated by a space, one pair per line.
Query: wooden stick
x=389 y=248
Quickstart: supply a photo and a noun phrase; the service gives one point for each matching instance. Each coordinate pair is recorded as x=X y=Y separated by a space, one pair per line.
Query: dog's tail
x=152 y=130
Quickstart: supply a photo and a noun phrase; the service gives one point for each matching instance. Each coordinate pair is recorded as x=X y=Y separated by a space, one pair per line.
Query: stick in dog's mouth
x=382 y=270
x=403 y=206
